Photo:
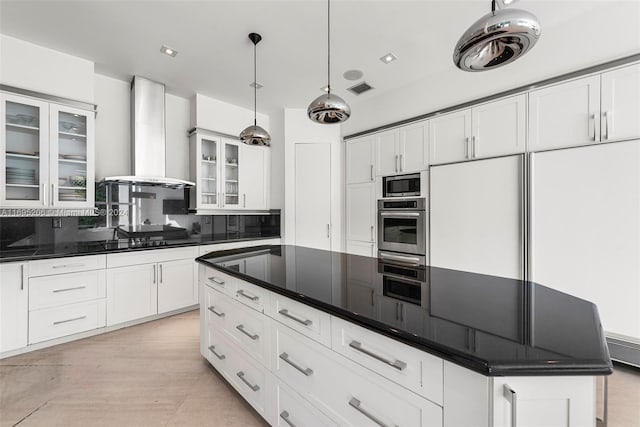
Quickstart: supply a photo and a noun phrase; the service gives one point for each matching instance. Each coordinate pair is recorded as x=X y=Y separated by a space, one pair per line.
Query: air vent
x=360 y=88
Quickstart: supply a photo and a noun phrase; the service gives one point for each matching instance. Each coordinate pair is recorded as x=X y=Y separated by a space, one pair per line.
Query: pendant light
x=498 y=38
x=255 y=135
x=328 y=108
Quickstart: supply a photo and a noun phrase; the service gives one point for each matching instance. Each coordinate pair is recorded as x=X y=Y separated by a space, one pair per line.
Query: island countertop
x=492 y=325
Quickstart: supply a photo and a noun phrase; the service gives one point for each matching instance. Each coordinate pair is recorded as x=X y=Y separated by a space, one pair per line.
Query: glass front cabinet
x=216 y=172
x=47 y=153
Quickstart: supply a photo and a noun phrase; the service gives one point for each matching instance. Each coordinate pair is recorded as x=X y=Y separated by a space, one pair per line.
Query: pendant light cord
x=255 y=87
x=329 y=47
x=493 y=7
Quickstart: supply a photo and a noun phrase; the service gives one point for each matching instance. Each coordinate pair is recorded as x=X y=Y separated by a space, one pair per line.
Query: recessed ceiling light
x=353 y=74
x=168 y=51
x=256 y=85
x=389 y=57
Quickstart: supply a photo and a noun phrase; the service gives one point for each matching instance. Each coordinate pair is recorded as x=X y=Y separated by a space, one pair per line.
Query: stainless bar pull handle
x=250 y=335
x=255 y=387
x=53 y=193
x=401 y=214
x=400 y=162
x=22 y=277
x=68 y=289
x=305 y=371
x=355 y=403
x=244 y=200
x=372 y=237
x=605 y=116
x=328 y=230
x=398 y=364
x=44 y=194
x=371 y=172
x=217 y=313
x=512 y=397
x=473 y=147
x=77 y=264
x=216 y=280
x=396 y=165
x=305 y=322
x=285 y=416
x=402 y=258
x=154 y=273
x=160 y=273
x=69 y=320
x=592 y=120
x=212 y=349
x=466 y=148
x=247 y=296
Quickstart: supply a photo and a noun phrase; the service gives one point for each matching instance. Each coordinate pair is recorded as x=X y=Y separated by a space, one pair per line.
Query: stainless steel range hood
x=148 y=151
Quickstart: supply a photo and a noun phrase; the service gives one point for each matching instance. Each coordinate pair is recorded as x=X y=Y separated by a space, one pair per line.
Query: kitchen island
x=339 y=339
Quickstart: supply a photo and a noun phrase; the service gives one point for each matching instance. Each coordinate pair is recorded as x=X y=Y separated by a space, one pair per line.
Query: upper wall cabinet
x=620 y=118
x=228 y=175
x=360 y=155
x=48 y=154
x=488 y=130
x=565 y=115
x=402 y=150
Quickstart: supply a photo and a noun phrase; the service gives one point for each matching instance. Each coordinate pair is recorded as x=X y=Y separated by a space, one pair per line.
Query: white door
x=621 y=103
x=499 y=127
x=13 y=306
x=414 y=150
x=360 y=155
x=24 y=152
x=361 y=212
x=387 y=154
x=208 y=180
x=177 y=287
x=565 y=115
x=253 y=177
x=585 y=237
x=449 y=137
x=132 y=293
x=313 y=195
x=477 y=216
x=230 y=168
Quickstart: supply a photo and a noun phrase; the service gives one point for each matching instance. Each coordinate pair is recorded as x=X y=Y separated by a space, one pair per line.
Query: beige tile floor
x=153 y=375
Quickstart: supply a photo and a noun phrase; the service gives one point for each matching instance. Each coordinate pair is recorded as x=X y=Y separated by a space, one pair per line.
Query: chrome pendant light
x=498 y=38
x=328 y=108
x=255 y=135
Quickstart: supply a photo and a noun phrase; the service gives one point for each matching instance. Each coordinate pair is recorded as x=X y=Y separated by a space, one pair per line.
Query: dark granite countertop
x=492 y=325
x=68 y=249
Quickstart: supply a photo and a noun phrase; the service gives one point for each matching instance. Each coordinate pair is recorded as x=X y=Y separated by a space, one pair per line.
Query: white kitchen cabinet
x=254 y=176
x=493 y=129
x=565 y=115
x=132 y=293
x=360 y=159
x=361 y=212
x=14 y=309
x=177 y=285
x=402 y=150
x=449 y=136
x=620 y=108
x=59 y=321
x=355 y=247
x=48 y=152
x=292 y=409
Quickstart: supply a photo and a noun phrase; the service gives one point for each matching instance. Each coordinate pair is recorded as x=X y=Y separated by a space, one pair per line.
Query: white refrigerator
x=585 y=230
x=476 y=214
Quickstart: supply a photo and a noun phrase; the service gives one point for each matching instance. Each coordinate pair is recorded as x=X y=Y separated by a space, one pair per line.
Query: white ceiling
x=123 y=38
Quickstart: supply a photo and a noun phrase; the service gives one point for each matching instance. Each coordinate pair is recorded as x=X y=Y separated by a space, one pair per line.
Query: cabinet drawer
x=252 y=296
x=353 y=399
x=250 y=331
x=150 y=256
x=218 y=309
x=310 y=322
x=250 y=379
x=57 y=322
x=411 y=368
x=48 y=267
x=217 y=280
x=296 y=360
x=61 y=289
x=218 y=349
x=292 y=409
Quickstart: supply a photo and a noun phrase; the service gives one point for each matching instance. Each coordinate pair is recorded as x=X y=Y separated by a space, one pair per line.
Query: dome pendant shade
x=328 y=109
x=496 y=39
x=254 y=134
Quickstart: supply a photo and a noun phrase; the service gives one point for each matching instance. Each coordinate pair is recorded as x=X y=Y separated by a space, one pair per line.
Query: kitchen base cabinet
x=177 y=286
x=50 y=323
x=14 y=291
x=132 y=293
x=293 y=409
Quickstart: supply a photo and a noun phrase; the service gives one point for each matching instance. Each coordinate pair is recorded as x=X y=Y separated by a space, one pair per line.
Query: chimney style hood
x=148 y=153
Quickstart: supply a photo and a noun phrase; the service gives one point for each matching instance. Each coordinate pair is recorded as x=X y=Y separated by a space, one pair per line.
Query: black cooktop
x=493 y=325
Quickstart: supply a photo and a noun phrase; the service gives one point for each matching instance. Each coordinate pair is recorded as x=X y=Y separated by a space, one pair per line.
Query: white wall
x=177 y=122
x=113 y=127
x=29 y=66
x=277 y=160
x=212 y=114
x=299 y=129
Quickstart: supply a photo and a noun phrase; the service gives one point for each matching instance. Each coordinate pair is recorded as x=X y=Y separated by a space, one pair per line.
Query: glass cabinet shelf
x=25 y=127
